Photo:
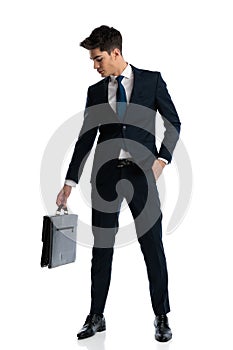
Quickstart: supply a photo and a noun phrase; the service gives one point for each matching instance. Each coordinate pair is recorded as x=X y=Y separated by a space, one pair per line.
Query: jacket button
x=124 y=126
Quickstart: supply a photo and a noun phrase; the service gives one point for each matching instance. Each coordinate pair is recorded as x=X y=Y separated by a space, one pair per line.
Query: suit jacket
x=135 y=133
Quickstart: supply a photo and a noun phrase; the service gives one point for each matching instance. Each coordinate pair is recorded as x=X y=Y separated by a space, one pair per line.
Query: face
x=104 y=63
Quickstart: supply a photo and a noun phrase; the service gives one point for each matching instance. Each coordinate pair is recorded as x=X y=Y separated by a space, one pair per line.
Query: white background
x=44 y=78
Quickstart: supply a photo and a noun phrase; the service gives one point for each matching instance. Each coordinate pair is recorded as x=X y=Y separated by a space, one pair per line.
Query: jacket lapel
x=103 y=91
x=136 y=93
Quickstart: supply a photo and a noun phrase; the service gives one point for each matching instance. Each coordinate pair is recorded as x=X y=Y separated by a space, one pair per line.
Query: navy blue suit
x=135 y=134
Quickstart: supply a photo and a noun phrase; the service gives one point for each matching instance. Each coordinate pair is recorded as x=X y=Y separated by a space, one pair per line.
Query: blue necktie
x=121 y=98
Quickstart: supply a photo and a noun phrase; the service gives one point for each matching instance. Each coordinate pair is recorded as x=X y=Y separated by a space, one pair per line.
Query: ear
x=116 y=53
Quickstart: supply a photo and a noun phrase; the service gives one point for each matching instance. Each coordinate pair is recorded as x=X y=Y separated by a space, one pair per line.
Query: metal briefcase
x=59 y=239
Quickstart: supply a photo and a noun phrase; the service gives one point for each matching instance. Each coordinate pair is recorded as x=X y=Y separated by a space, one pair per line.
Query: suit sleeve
x=84 y=144
x=170 y=118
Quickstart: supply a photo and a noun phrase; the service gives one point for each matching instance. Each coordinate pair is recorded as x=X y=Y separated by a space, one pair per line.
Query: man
x=122 y=107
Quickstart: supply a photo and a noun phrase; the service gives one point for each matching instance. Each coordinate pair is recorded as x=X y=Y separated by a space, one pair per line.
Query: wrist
x=67 y=189
x=162 y=162
x=67 y=186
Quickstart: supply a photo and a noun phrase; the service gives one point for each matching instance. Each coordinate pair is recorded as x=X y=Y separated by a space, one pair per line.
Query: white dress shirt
x=127 y=82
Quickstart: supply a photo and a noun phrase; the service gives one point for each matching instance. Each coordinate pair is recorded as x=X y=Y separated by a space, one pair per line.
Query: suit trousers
x=139 y=189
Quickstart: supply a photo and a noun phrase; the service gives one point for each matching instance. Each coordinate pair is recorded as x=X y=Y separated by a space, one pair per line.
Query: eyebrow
x=94 y=58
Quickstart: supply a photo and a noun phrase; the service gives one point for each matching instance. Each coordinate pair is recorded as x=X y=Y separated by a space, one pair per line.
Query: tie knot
x=119 y=79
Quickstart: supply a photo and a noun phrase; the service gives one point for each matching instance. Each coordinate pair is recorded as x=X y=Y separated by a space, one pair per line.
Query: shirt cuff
x=164 y=160
x=70 y=183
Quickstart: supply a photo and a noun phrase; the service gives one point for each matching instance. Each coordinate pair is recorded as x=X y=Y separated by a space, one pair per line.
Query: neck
x=120 y=68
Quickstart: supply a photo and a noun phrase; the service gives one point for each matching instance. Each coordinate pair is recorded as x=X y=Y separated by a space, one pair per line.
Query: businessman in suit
x=122 y=108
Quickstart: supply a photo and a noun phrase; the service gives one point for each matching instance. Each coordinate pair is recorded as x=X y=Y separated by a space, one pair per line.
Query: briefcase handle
x=58 y=212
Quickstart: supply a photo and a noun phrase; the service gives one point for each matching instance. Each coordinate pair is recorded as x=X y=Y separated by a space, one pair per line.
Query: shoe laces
x=162 y=321
x=92 y=318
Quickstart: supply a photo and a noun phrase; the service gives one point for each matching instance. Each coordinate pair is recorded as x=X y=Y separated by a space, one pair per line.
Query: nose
x=96 y=65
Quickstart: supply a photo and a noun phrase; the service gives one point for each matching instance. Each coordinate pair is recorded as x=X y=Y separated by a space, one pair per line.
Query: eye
x=99 y=59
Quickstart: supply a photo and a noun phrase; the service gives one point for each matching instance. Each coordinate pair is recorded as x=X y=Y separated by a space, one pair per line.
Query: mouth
x=100 y=71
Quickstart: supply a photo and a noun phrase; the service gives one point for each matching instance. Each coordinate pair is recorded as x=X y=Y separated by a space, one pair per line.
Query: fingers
x=58 y=201
x=63 y=195
x=158 y=168
x=61 y=198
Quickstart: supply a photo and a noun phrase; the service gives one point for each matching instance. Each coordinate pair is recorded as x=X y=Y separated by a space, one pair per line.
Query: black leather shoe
x=162 y=330
x=94 y=323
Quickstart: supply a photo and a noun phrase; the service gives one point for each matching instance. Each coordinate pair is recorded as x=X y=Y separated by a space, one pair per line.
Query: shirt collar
x=127 y=72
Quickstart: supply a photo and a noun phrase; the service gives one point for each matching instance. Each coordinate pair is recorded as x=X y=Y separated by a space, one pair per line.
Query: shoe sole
x=100 y=329
x=163 y=340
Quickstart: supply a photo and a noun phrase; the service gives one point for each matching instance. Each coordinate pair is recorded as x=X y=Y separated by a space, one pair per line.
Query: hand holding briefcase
x=59 y=239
